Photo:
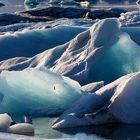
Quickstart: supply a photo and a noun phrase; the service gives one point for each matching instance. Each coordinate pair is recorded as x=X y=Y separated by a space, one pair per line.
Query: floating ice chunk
x=75 y=115
x=39 y=90
x=5 y=121
x=31 y=42
x=84 y=4
x=125 y=102
x=93 y=55
x=130 y=18
x=22 y=129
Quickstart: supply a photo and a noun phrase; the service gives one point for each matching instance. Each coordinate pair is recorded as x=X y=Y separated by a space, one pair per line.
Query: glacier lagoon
x=92 y=133
x=69 y=38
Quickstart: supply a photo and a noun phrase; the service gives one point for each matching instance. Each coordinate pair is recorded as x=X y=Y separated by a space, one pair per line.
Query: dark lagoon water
x=12 y=6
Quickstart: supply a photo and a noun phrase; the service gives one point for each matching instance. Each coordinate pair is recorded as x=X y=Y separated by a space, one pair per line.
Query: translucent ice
x=36 y=90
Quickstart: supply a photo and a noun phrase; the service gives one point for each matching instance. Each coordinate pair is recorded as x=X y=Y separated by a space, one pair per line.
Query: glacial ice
x=69 y=23
x=36 y=91
x=85 y=57
x=22 y=129
x=74 y=116
x=31 y=2
x=28 y=43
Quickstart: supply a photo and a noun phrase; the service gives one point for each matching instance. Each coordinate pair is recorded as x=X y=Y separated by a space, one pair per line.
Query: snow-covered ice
x=22 y=129
x=91 y=103
x=28 y=43
x=85 y=57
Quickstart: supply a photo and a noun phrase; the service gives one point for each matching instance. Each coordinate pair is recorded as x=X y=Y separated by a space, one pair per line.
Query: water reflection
x=112 y=132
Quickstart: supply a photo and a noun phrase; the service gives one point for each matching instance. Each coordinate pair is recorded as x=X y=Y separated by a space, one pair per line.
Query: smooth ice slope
x=92 y=87
x=130 y=18
x=67 y=23
x=93 y=55
x=27 y=43
x=36 y=91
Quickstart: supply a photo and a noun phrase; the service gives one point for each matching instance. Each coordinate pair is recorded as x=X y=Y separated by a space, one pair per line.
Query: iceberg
x=117 y=102
x=36 y=91
x=93 y=55
x=22 y=129
x=90 y=103
x=31 y=42
x=69 y=23
x=124 y=104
